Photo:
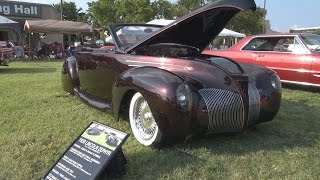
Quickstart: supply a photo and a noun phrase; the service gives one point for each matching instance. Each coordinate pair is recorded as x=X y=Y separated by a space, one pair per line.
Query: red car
x=5 y=53
x=295 y=57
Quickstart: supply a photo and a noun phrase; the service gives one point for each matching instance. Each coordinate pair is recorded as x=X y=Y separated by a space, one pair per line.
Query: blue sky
x=283 y=14
x=286 y=14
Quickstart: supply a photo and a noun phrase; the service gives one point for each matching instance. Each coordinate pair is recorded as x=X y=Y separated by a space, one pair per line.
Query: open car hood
x=199 y=27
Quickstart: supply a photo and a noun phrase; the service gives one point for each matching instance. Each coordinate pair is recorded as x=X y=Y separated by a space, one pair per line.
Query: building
x=268 y=29
x=22 y=11
x=313 y=30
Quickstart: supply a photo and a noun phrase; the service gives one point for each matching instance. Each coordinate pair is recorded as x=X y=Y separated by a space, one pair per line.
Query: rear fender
x=158 y=87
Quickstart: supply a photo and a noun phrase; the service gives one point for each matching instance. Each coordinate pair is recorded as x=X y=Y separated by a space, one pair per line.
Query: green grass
x=38 y=120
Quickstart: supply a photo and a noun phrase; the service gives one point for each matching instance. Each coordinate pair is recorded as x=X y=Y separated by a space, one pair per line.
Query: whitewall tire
x=142 y=122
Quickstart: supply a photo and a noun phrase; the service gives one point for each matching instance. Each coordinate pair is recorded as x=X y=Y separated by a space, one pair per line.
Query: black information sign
x=88 y=156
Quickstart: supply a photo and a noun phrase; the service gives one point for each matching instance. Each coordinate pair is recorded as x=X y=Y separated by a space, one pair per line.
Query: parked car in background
x=6 y=52
x=295 y=57
x=157 y=78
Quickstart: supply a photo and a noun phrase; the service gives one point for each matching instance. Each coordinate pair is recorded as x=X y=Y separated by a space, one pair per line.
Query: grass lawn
x=38 y=120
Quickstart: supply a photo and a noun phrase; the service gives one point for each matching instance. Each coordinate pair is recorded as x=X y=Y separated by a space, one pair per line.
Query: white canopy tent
x=56 y=26
x=162 y=22
x=51 y=26
x=6 y=23
x=13 y=26
x=229 y=33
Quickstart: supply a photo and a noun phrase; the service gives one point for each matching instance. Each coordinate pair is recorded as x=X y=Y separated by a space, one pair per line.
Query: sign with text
x=20 y=9
x=89 y=154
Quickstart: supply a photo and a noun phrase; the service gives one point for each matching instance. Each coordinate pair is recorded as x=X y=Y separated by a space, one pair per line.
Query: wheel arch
x=123 y=110
x=158 y=87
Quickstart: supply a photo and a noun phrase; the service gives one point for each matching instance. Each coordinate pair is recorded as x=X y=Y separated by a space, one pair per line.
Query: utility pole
x=264 y=17
x=61 y=9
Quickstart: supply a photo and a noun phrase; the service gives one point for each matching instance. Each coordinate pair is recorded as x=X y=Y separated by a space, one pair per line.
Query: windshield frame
x=116 y=27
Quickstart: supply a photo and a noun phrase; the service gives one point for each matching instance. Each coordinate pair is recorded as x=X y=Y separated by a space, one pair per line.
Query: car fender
x=270 y=98
x=70 y=75
x=158 y=87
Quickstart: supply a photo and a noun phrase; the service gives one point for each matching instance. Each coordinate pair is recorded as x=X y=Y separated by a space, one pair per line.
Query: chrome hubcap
x=144 y=120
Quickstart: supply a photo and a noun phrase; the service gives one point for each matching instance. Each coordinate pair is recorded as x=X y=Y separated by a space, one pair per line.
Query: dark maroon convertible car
x=158 y=78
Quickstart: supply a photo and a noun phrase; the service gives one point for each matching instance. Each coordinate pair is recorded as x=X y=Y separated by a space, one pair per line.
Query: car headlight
x=183 y=95
x=275 y=81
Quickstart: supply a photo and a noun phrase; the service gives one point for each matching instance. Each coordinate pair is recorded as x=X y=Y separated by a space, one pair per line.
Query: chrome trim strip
x=162 y=65
x=254 y=104
x=290 y=69
x=301 y=83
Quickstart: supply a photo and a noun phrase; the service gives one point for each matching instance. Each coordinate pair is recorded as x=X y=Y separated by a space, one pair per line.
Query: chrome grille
x=254 y=104
x=226 y=108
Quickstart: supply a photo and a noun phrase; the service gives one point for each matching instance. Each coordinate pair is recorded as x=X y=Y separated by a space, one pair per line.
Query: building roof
x=309 y=28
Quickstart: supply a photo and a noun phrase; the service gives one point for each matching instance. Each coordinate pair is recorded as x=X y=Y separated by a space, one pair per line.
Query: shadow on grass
x=27 y=70
x=296 y=125
x=158 y=163
x=37 y=60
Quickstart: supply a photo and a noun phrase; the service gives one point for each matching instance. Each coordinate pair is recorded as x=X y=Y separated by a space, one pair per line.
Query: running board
x=88 y=99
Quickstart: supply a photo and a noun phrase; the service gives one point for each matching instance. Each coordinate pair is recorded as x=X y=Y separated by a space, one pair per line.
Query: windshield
x=312 y=41
x=128 y=35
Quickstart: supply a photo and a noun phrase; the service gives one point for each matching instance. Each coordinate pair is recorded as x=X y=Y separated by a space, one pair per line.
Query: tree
x=69 y=10
x=103 y=12
x=248 y=22
x=163 y=9
x=106 y=12
x=133 y=11
x=71 y=13
x=191 y=5
x=185 y=6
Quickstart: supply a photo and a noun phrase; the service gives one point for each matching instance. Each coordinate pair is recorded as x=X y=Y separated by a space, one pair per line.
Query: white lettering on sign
x=19 y=9
x=5 y=10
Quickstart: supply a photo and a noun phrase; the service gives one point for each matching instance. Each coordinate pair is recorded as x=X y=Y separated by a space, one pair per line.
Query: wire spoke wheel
x=143 y=124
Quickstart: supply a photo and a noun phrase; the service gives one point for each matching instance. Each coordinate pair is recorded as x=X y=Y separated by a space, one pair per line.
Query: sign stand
x=116 y=168
x=94 y=154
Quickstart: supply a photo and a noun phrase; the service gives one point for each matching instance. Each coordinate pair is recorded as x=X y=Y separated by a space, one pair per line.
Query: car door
x=315 y=72
x=287 y=56
x=263 y=52
x=96 y=74
x=296 y=61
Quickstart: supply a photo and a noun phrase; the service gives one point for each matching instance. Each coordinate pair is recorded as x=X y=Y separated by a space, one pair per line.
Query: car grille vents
x=226 y=109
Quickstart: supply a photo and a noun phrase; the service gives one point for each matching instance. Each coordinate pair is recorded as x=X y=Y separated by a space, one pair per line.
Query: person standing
x=9 y=44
